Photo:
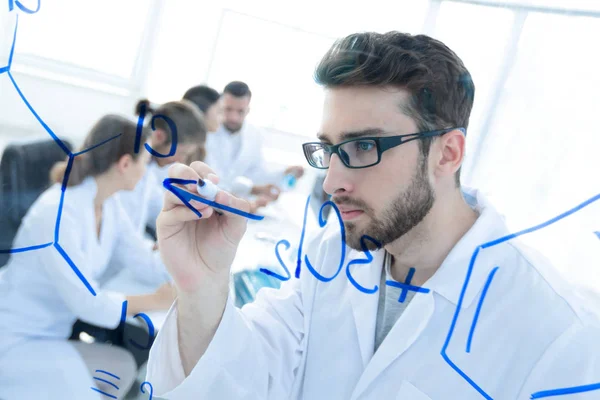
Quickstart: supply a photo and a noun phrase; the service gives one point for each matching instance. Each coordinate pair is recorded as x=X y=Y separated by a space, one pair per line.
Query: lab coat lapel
x=244 y=157
x=364 y=306
x=402 y=335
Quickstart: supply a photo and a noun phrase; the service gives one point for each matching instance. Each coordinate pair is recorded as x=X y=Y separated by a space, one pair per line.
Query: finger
x=181 y=214
x=171 y=201
x=202 y=169
x=182 y=171
x=229 y=200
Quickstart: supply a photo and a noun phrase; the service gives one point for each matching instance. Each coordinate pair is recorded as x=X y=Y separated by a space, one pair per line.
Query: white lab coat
x=314 y=340
x=239 y=161
x=41 y=297
x=143 y=204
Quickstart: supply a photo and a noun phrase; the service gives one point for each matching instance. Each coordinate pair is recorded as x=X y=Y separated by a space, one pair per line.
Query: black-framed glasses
x=361 y=152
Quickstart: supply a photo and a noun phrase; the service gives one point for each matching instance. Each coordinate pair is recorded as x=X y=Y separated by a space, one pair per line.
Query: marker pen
x=207 y=189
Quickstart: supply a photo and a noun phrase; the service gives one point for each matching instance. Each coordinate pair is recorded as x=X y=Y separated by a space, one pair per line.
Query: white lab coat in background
x=314 y=340
x=41 y=297
x=143 y=204
x=239 y=161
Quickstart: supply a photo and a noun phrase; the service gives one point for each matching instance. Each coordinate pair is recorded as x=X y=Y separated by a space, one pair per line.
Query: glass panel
x=102 y=36
x=541 y=154
x=479 y=36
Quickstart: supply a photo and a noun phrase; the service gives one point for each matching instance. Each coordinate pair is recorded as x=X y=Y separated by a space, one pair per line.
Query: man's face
x=235 y=110
x=387 y=200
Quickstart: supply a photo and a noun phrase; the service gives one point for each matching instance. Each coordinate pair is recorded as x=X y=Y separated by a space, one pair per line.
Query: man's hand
x=198 y=250
x=296 y=170
x=268 y=191
x=260 y=202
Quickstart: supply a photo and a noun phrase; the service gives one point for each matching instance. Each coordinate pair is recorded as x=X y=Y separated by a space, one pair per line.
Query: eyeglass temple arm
x=393 y=141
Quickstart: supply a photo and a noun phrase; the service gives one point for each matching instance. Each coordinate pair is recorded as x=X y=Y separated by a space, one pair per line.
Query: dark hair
x=145 y=103
x=202 y=96
x=101 y=158
x=442 y=91
x=237 y=89
x=188 y=120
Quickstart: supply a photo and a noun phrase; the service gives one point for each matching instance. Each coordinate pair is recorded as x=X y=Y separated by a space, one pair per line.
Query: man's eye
x=364 y=146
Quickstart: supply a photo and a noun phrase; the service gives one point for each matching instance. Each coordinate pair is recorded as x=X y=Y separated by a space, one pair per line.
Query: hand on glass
x=199 y=250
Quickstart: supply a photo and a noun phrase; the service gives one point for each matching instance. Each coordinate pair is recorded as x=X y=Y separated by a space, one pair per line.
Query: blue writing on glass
x=149 y=324
x=107 y=382
x=140 y=128
x=299 y=258
x=406 y=286
x=486 y=245
x=564 y=391
x=151 y=389
x=173 y=130
x=11 y=6
x=12 y=48
x=287 y=271
x=64 y=254
x=367 y=260
x=24 y=249
x=478 y=310
x=150 y=332
x=186 y=196
x=287 y=244
x=322 y=223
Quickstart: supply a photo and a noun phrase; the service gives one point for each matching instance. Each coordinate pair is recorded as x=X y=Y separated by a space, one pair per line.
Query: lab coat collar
x=364 y=305
x=451 y=277
x=448 y=281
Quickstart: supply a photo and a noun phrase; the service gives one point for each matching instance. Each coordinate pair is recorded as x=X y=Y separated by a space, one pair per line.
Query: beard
x=232 y=127
x=405 y=212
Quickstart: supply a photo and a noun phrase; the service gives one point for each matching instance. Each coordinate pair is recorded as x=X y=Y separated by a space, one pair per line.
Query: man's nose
x=338 y=177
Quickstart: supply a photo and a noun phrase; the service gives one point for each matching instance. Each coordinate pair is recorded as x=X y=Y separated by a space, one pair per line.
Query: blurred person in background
x=41 y=296
x=235 y=150
x=143 y=204
x=207 y=100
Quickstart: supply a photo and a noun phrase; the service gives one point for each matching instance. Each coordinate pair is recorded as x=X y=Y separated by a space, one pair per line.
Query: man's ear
x=451 y=151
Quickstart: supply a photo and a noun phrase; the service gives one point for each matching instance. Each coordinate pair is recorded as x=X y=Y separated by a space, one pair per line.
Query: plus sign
x=406 y=286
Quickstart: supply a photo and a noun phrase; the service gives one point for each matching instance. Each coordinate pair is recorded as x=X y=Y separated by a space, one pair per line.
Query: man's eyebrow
x=352 y=134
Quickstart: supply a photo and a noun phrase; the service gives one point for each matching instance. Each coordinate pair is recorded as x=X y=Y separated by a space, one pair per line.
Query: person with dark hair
x=143 y=204
x=235 y=150
x=438 y=299
x=207 y=100
x=40 y=294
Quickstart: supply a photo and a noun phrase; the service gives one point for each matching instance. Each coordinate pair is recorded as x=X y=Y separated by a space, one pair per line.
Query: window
x=479 y=35
x=278 y=63
x=103 y=36
x=277 y=59
x=541 y=153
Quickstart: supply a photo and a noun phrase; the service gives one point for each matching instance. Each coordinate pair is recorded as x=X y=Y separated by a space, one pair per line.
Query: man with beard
x=235 y=150
x=437 y=301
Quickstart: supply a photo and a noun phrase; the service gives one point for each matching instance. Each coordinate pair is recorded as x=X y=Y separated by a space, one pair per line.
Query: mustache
x=348 y=201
